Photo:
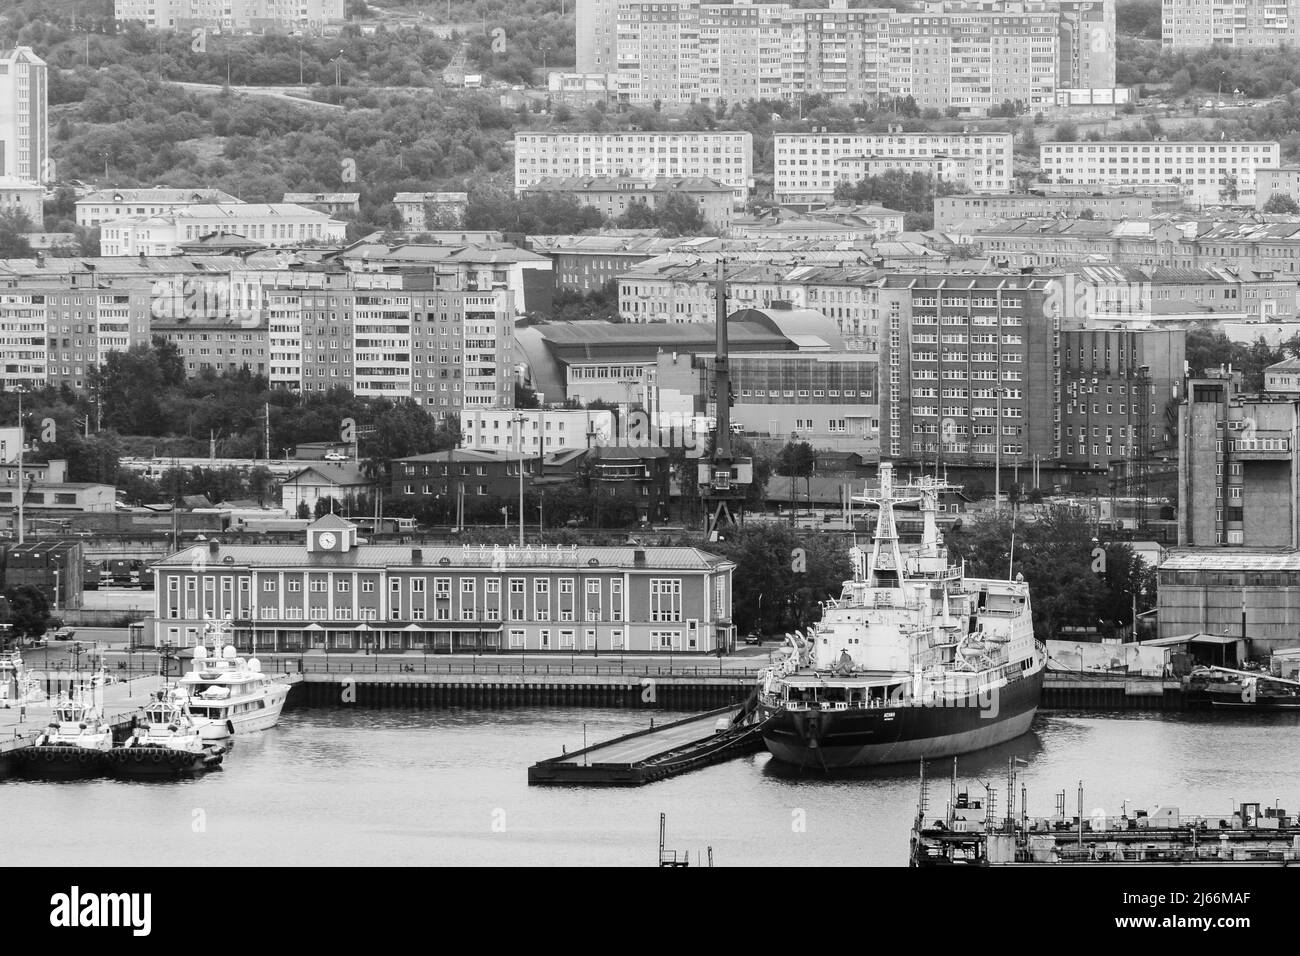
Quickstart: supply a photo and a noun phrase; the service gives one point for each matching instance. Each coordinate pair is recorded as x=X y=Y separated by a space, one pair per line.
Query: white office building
x=24 y=146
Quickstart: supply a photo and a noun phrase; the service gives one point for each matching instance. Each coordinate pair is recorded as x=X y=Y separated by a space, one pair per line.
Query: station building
x=342 y=595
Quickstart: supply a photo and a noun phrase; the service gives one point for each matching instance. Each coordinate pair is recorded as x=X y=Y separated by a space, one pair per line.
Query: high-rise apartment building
x=971 y=56
x=24 y=149
x=1257 y=24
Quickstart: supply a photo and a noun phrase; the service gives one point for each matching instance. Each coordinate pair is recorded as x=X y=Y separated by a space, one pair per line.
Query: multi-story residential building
x=343 y=595
x=808 y=166
x=428 y=211
x=332 y=204
x=975 y=60
x=613 y=195
x=1237 y=466
x=659 y=50
x=24 y=120
x=740 y=49
x=1270 y=182
x=1118 y=394
x=989 y=208
x=972 y=57
x=274 y=224
x=1215 y=172
x=108 y=205
x=726 y=157
x=534 y=431
x=965 y=367
x=1087 y=44
x=220 y=343
x=23 y=323
x=596 y=36
x=312 y=16
x=1252 y=24
x=82 y=328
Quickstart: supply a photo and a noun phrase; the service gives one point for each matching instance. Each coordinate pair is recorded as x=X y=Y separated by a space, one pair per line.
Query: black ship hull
x=831 y=739
x=1232 y=699
x=161 y=762
x=48 y=760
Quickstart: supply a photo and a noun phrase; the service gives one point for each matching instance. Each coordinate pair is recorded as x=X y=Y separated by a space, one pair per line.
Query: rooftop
x=464 y=556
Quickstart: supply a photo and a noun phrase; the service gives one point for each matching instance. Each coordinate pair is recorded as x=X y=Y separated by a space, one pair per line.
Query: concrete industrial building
x=1237 y=476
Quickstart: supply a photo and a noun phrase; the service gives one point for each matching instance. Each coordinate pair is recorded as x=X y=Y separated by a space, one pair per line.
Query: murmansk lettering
x=75 y=909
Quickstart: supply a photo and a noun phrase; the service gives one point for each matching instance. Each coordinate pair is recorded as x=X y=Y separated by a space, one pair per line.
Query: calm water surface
x=450 y=787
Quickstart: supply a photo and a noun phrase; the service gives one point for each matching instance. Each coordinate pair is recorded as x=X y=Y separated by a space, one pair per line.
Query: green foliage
x=600 y=304
x=1138 y=18
x=28 y=611
x=14 y=224
x=1281 y=203
x=910 y=193
x=768 y=594
x=535 y=214
x=1074 y=580
x=1209 y=348
x=675 y=216
x=796 y=460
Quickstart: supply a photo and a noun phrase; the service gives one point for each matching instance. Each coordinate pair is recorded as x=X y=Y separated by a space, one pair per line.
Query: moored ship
x=166 y=743
x=75 y=744
x=228 y=694
x=914 y=660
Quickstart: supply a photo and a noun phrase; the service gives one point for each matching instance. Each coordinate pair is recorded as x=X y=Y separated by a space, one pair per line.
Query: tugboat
x=76 y=743
x=914 y=660
x=1249 y=690
x=166 y=744
x=229 y=695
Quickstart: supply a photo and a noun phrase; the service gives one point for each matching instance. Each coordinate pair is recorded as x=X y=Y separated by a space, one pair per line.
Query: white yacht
x=229 y=695
x=18 y=686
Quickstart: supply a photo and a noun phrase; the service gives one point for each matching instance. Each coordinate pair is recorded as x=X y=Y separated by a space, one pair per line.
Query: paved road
x=277 y=92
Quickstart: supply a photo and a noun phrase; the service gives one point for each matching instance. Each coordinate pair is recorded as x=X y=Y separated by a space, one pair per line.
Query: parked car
x=753 y=638
x=336 y=456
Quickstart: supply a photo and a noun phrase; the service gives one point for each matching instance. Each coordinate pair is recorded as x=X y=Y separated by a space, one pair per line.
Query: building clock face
x=326 y=540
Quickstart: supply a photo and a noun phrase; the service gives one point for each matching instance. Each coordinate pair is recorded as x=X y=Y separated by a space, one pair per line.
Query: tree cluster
x=909 y=193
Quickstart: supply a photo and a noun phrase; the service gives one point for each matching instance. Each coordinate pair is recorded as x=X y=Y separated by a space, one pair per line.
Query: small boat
x=75 y=744
x=165 y=743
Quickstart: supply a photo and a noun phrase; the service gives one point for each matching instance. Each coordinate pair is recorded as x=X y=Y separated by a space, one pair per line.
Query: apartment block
x=612 y=196
x=108 y=205
x=1237 y=480
x=969 y=56
x=808 y=166
x=239 y=15
x=990 y=208
x=966 y=368
x=1216 y=172
x=24 y=196
x=1257 y=24
x=24 y=116
x=1282 y=180
x=431 y=210
x=726 y=157
x=272 y=224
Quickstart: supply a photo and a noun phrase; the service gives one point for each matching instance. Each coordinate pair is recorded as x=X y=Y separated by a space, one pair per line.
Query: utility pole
x=519 y=445
x=997 y=456
x=22 y=492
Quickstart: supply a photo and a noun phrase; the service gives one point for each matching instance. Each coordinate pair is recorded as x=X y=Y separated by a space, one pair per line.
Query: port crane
x=723 y=476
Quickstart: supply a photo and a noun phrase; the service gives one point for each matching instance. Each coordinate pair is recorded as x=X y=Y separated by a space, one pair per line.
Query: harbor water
x=406 y=787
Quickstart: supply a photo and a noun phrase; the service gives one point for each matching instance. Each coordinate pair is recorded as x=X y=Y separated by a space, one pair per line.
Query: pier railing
x=560 y=668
